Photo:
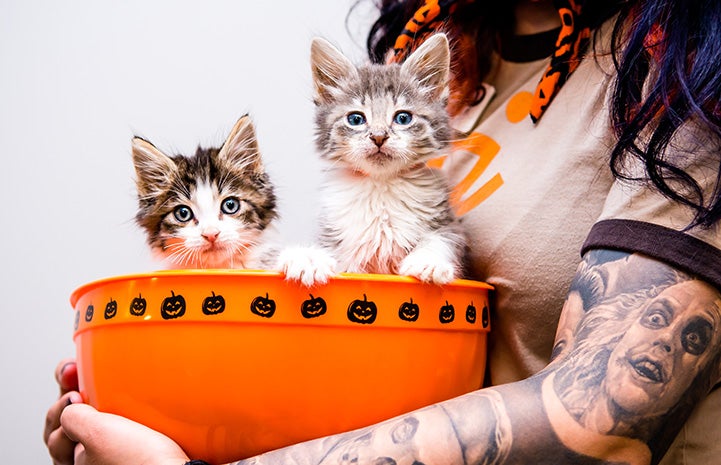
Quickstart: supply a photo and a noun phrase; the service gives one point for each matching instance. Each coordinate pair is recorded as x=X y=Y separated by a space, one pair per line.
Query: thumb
x=111 y=439
x=81 y=423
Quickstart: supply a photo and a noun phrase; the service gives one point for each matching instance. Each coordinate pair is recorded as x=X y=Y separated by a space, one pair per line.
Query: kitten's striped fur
x=215 y=209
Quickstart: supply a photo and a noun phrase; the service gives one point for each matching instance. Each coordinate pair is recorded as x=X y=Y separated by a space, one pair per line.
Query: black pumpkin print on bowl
x=111 y=309
x=213 y=304
x=471 y=313
x=447 y=313
x=138 y=305
x=485 y=316
x=172 y=306
x=263 y=306
x=409 y=311
x=362 y=311
x=89 y=313
x=313 y=307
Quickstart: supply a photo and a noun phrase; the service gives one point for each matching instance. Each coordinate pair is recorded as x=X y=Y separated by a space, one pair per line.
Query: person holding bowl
x=588 y=128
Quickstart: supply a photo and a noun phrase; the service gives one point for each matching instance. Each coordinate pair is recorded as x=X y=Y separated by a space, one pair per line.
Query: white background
x=77 y=80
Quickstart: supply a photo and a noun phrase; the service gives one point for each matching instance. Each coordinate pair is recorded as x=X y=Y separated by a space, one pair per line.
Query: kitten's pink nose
x=210 y=235
x=379 y=139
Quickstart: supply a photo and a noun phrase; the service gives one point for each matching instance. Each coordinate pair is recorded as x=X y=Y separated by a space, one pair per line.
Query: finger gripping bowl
x=234 y=363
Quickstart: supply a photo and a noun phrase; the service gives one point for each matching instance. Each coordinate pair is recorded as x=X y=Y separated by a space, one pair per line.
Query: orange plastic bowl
x=234 y=363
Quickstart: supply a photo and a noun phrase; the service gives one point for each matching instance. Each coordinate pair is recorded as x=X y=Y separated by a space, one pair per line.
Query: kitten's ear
x=153 y=168
x=330 y=68
x=430 y=64
x=240 y=150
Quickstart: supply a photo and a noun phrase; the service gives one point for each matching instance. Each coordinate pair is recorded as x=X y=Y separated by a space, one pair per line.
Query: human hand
x=107 y=439
x=79 y=434
x=60 y=447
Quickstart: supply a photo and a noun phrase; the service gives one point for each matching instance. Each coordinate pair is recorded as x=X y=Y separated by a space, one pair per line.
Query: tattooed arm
x=638 y=345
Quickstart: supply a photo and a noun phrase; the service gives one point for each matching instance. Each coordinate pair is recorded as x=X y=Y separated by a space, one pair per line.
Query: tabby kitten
x=383 y=210
x=215 y=209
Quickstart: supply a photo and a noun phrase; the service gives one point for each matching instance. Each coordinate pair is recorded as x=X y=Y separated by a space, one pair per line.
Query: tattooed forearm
x=440 y=434
x=638 y=345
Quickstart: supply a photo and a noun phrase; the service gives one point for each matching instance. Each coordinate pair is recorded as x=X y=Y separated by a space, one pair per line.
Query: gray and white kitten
x=215 y=209
x=383 y=210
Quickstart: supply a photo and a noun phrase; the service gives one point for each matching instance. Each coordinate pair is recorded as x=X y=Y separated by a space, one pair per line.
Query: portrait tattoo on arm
x=637 y=346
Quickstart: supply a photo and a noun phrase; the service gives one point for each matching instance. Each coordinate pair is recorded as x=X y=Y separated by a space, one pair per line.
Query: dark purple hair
x=685 y=86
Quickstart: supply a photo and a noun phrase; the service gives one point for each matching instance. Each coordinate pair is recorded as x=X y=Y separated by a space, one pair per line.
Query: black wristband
x=196 y=462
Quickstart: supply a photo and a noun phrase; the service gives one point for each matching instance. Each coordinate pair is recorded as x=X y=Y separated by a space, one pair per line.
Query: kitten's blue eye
x=403 y=118
x=183 y=214
x=230 y=206
x=356 y=118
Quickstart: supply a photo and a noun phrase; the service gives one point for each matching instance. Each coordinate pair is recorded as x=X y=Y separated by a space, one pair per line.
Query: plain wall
x=77 y=80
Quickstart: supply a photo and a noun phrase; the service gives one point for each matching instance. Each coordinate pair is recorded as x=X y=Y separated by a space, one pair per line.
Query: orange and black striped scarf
x=570 y=45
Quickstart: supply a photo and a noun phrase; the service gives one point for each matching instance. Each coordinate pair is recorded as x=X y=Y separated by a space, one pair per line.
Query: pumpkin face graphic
x=485 y=317
x=362 y=311
x=471 y=313
x=447 y=313
x=138 y=306
x=89 y=313
x=263 y=306
x=409 y=311
x=313 y=307
x=173 y=306
x=111 y=309
x=213 y=304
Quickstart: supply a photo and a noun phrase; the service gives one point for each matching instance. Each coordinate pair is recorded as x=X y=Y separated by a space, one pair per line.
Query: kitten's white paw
x=428 y=268
x=308 y=265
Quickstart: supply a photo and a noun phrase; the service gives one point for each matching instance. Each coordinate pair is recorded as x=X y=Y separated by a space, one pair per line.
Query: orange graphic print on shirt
x=486 y=149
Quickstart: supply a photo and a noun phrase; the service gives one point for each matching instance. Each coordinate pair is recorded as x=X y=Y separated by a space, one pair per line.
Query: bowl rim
x=389 y=278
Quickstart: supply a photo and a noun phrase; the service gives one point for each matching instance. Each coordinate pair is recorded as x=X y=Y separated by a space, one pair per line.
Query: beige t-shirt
x=530 y=195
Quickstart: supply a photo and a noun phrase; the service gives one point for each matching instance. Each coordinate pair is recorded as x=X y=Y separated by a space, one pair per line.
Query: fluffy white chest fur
x=372 y=225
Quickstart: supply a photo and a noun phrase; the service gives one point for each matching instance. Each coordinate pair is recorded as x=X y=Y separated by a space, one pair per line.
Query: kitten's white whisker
x=221 y=183
x=177 y=256
x=168 y=202
x=181 y=188
x=334 y=163
x=174 y=248
x=180 y=255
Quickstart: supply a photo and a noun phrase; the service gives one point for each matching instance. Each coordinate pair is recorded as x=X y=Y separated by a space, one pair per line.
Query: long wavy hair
x=669 y=74
x=667 y=55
